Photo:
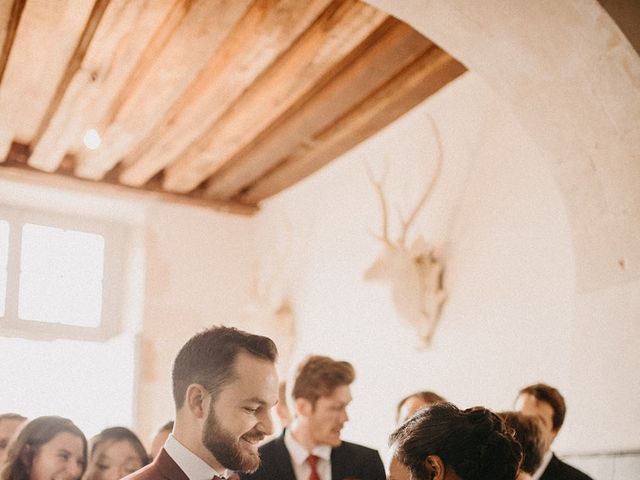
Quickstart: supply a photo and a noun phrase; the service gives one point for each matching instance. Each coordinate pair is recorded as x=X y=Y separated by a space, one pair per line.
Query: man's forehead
x=341 y=394
x=255 y=378
x=530 y=405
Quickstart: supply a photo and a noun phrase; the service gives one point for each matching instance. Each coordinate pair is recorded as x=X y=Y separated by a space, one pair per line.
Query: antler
x=378 y=185
x=406 y=224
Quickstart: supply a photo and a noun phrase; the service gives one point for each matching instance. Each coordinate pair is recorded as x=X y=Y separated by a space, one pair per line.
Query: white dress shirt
x=543 y=465
x=192 y=465
x=299 y=455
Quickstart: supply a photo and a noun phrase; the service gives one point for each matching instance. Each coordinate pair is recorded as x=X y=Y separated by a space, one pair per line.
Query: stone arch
x=573 y=80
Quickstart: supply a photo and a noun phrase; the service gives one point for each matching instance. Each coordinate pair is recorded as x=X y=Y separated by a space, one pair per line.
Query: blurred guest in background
x=115 y=453
x=160 y=437
x=282 y=408
x=405 y=409
x=528 y=432
x=311 y=447
x=546 y=403
x=47 y=448
x=414 y=402
x=9 y=425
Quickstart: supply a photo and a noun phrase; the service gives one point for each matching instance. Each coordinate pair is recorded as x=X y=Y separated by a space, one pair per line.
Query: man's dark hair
x=429 y=398
x=208 y=358
x=529 y=435
x=473 y=442
x=548 y=394
x=319 y=376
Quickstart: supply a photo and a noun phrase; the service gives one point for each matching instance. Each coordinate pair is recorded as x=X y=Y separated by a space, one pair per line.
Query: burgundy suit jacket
x=162 y=468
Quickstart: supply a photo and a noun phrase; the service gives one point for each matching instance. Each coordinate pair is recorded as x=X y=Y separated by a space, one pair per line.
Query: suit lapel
x=168 y=467
x=283 y=460
x=339 y=464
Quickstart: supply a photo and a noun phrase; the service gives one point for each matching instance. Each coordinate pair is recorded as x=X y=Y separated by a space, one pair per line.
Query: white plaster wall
x=573 y=80
x=510 y=274
x=198 y=268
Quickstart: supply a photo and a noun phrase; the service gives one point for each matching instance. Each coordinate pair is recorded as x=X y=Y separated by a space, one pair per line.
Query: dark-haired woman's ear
x=435 y=467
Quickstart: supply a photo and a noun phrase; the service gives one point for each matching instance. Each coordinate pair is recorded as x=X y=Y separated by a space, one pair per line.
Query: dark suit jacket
x=558 y=470
x=348 y=461
x=162 y=468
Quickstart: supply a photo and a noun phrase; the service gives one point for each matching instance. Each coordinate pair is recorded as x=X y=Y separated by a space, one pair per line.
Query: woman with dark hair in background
x=46 y=448
x=115 y=453
x=446 y=443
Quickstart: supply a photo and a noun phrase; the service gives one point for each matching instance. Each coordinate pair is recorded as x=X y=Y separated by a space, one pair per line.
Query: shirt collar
x=299 y=453
x=192 y=465
x=543 y=465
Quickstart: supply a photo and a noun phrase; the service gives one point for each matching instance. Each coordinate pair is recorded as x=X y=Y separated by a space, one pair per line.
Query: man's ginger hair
x=318 y=376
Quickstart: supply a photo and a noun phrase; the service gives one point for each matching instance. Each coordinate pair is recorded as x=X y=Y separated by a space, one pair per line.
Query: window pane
x=49 y=249
x=61 y=276
x=91 y=383
x=3 y=291
x=4 y=255
x=56 y=298
x=4 y=244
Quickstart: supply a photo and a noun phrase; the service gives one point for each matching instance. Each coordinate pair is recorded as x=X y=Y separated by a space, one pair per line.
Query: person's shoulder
x=147 y=472
x=565 y=471
x=272 y=445
x=357 y=448
x=572 y=473
x=364 y=462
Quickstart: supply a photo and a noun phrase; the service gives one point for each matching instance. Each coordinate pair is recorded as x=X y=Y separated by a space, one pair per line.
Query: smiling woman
x=115 y=453
x=46 y=448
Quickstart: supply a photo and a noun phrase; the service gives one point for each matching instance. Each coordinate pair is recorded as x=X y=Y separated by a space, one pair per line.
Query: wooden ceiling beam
x=264 y=33
x=184 y=44
x=45 y=40
x=15 y=168
x=10 y=14
x=415 y=83
x=393 y=46
x=121 y=36
x=311 y=60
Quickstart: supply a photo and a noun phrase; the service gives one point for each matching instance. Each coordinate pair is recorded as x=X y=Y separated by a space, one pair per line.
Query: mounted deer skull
x=414 y=270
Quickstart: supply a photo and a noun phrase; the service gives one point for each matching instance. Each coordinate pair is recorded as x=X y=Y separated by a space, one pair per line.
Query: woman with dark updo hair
x=446 y=443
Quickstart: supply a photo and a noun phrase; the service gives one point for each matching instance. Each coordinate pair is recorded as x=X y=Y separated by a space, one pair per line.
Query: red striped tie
x=313 y=461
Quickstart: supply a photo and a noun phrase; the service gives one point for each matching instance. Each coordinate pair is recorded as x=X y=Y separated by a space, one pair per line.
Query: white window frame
x=113 y=282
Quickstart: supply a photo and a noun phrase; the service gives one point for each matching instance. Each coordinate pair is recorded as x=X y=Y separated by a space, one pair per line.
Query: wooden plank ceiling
x=217 y=102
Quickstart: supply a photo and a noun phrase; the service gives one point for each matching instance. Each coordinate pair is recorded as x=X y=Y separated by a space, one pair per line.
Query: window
x=68 y=342
x=60 y=276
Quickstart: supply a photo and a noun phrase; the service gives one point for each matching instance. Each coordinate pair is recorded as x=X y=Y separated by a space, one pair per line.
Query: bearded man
x=224 y=386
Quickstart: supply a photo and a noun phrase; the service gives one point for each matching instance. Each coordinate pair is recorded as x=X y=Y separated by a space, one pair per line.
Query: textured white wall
x=502 y=223
x=198 y=268
x=573 y=80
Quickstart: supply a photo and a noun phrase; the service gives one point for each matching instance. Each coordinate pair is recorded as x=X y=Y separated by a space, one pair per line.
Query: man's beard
x=226 y=449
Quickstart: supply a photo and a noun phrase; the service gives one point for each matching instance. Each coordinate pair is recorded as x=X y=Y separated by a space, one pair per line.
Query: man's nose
x=344 y=418
x=266 y=423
